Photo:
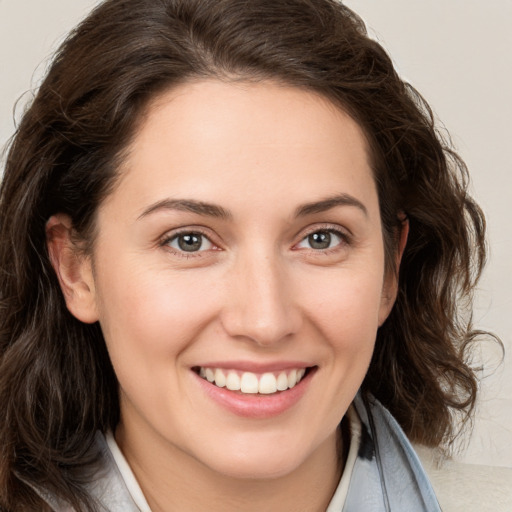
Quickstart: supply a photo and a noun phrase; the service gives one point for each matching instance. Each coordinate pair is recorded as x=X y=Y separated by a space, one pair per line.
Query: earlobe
x=74 y=270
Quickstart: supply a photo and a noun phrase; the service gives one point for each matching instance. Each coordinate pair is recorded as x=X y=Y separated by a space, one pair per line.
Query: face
x=238 y=276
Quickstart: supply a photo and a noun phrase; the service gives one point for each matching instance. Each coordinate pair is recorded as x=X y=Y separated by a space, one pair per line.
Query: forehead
x=216 y=138
x=208 y=108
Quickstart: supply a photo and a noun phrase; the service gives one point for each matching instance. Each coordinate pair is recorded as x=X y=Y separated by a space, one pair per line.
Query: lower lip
x=256 y=405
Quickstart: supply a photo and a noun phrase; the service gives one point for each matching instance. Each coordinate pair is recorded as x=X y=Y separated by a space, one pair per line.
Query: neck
x=173 y=480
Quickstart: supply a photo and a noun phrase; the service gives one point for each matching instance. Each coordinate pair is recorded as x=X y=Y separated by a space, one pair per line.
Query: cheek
x=151 y=312
x=346 y=315
x=349 y=304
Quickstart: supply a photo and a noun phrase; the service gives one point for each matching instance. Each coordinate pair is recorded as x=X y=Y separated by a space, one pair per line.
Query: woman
x=231 y=241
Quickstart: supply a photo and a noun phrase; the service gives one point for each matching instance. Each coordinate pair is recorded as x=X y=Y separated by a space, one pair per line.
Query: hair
x=57 y=385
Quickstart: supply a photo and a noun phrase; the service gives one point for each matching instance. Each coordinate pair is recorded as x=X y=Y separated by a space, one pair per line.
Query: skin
x=257 y=290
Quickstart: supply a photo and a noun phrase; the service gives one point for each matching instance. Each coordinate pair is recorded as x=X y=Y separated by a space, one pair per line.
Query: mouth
x=250 y=383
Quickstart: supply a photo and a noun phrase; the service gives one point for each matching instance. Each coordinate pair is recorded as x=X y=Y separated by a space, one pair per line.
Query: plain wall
x=457 y=53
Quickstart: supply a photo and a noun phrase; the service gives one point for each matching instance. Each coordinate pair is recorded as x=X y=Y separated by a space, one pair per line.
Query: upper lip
x=255 y=367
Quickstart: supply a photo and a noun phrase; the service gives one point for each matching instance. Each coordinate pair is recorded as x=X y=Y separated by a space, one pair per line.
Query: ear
x=390 y=287
x=73 y=269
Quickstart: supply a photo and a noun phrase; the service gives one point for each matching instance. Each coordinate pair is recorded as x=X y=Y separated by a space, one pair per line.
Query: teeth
x=220 y=378
x=282 y=382
x=292 y=378
x=251 y=383
x=268 y=384
x=233 y=381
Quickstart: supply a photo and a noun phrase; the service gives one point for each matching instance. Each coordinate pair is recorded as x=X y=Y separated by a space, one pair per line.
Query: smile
x=253 y=383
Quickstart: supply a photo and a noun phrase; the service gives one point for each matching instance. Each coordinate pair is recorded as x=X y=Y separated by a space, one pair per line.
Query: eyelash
x=345 y=240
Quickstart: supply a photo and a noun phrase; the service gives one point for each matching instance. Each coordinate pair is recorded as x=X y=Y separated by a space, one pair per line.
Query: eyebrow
x=185 y=205
x=329 y=203
x=213 y=210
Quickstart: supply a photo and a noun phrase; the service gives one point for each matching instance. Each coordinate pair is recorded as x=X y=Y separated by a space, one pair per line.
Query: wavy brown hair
x=57 y=386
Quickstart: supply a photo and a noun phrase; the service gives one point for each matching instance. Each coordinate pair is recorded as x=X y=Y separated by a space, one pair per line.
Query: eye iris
x=320 y=240
x=190 y=242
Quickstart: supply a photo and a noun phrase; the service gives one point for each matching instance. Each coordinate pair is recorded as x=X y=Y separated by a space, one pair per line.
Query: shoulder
x=467 y=487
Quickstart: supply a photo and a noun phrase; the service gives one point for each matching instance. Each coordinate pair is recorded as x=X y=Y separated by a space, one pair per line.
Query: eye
x=189 y=242
x=321 y=240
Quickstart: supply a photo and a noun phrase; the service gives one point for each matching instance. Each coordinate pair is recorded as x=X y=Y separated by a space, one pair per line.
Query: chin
x=258 y=459
x=257 y=469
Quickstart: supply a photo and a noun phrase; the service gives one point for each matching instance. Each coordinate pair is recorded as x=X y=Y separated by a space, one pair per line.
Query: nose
x=261 y=306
